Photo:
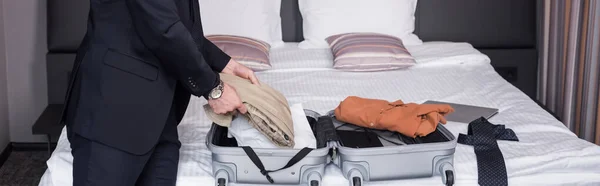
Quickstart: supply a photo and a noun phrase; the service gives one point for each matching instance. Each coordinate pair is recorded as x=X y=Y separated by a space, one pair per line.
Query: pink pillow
x=252 y=53
x=369 y=52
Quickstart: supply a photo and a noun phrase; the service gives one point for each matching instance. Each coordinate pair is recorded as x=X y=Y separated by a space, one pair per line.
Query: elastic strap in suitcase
x=325 y=131
x=252 y=155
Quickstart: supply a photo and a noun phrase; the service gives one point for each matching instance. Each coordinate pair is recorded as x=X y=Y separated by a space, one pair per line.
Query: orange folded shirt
x=409 y=119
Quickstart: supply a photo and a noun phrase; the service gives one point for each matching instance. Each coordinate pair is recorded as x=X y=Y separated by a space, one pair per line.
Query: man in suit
x=138 y=65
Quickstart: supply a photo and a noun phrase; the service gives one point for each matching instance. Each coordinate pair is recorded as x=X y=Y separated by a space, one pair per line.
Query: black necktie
x=482 y=135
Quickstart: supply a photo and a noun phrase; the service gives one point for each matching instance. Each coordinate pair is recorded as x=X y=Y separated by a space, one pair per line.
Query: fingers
x=242 y=108
x=249 y=74
x=246 y=73
x=216 y=109
x=253 y=79
x=225 y=109
x=220 y=111
x=220 y=107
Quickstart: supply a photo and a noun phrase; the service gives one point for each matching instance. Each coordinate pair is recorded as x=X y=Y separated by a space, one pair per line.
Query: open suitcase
x=427 y=156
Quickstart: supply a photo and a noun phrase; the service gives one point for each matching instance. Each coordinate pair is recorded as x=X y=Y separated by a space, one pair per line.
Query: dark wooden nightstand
x=48 y=123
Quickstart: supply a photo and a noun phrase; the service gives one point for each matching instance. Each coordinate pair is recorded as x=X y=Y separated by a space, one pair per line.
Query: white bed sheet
x=547 y=154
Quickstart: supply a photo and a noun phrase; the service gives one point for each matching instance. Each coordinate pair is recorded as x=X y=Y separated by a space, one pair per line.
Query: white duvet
x=547 y=153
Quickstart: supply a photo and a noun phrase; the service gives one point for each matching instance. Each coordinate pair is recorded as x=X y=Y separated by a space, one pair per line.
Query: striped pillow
x=369 y=52
x=252 y=53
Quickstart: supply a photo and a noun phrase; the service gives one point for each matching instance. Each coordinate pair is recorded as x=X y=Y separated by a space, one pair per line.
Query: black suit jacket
x=138 y=58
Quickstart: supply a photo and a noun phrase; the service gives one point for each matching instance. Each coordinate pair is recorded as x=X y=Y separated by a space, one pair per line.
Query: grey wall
x=25 y=39
x=4 y=128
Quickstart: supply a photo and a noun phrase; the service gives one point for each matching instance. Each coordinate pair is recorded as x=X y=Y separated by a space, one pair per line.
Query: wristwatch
x=216 y=92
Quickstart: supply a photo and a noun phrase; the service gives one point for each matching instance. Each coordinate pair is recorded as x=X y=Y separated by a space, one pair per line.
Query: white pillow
x=257 y=19
x=324 y=18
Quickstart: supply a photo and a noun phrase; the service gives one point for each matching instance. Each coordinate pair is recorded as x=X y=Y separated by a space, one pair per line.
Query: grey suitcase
x=428 y=156
x=248 y=166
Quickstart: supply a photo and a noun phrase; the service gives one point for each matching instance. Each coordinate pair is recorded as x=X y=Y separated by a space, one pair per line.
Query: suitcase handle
x=252 y=155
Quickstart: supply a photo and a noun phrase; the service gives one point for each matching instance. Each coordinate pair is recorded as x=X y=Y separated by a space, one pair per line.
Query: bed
x=454 y=66
x=547 y=154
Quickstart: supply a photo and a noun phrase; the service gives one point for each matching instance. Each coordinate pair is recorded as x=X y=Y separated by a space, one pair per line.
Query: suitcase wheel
x=356 y=181
x=314 y=183
x=449 y=178
x=221 y=182
x=314 y=179
x=222 y=178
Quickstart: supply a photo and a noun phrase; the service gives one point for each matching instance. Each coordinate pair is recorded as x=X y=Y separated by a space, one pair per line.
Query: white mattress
x=547 y=154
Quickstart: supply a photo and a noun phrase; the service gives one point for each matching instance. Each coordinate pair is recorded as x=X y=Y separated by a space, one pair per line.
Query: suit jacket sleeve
x=216 y=58
x=159 y=26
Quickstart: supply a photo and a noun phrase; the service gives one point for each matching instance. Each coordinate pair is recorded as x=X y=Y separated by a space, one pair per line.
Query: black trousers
x=95 y=164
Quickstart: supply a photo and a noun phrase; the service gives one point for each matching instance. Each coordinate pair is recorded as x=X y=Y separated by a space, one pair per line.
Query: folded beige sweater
x=268 y=110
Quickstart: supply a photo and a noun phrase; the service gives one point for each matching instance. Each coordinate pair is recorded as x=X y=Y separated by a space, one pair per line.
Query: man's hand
x=237 y=69
x=228 y=102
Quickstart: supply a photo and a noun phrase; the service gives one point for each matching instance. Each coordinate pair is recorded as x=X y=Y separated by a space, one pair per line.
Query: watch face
x=216 y=94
